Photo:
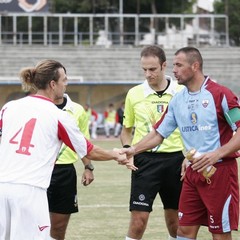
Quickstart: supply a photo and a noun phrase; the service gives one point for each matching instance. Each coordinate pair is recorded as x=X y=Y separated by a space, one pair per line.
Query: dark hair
x=38 y=77
x=153 y=50
x=192 y=54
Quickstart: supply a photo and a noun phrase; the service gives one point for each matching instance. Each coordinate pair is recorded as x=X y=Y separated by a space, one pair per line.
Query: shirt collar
x=69 y=104
x=170 y=90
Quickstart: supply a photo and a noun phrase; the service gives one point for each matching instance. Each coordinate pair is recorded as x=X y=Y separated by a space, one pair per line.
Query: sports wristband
x=126 y=146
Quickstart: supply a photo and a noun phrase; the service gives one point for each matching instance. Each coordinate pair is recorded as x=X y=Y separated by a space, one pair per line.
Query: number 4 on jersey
x=26 y=137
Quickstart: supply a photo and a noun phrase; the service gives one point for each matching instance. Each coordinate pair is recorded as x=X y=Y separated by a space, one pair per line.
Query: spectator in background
x=119 y=118
x=92 y=120
x=120 y=112
x=111 y=121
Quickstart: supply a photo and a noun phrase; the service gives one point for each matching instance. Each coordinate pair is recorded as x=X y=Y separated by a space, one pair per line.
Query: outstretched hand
x=128 y=151
x=120 y=157
x=130 y=165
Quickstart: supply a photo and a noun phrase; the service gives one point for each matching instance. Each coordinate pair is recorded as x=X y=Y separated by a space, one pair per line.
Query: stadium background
x=99 y=74
x=103 y=61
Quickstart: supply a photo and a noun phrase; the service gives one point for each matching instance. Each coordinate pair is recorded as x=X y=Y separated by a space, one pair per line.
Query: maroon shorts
x=215 y=205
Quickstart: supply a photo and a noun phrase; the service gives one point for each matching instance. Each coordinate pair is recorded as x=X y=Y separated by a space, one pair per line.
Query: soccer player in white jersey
x=32 y=132
x=207 y=114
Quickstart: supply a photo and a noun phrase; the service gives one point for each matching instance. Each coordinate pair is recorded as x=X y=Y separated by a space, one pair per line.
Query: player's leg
x=143 y=192
x=107 y=129
x=223 y=215
x=29 y=213
x=223 y=236
x=192 y=211
x=59 y=223
x=171 y=220
x=187 y=232
x=94 y=130
x=170 y=189
x=117 y=129
x=5 y=219
x=138 y=224
x=62 y=198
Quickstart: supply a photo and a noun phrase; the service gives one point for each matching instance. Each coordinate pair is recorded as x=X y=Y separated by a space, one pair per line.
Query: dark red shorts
x=215 y=205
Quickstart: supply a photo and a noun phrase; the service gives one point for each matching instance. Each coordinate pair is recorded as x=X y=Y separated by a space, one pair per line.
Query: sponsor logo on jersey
x=195 y=127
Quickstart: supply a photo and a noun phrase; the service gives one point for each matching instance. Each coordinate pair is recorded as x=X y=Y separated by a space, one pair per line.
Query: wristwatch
x=89 y=167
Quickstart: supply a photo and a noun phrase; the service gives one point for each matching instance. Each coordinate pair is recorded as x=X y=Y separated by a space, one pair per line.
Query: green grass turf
x=103 y=205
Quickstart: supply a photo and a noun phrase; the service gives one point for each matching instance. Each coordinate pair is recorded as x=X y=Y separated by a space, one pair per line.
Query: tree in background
x=130 y=6
x=232 y=9
x=229 y=7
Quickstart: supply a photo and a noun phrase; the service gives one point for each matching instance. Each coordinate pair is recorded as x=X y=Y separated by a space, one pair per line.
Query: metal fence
x=168 y=30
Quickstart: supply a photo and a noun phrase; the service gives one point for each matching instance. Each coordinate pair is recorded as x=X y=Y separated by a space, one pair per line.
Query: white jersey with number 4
x=33 y=129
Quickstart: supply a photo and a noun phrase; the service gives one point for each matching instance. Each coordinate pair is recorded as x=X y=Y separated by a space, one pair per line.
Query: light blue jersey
x=200 y=117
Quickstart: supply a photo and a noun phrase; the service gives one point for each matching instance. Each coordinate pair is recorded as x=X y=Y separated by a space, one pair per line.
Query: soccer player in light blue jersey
x=208 y=117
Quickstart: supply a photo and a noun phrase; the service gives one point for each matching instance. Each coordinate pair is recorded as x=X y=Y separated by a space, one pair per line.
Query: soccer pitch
x=103 y=205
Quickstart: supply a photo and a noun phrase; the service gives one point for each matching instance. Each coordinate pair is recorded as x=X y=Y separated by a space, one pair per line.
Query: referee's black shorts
x=158 y=173
x=62 y=192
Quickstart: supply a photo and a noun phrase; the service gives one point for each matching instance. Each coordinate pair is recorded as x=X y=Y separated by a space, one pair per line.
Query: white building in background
x=197 y=30
x=206 y=5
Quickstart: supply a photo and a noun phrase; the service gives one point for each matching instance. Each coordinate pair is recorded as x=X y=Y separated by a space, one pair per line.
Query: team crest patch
x=160 y=108
x=205 y=103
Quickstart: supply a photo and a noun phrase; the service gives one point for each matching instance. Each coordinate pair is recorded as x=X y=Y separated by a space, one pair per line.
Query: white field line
x=110 y=206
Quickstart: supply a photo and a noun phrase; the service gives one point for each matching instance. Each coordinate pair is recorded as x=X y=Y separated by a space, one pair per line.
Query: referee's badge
x=160 y=108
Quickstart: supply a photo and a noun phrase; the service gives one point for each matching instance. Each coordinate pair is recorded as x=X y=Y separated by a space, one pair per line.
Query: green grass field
x=103 y=205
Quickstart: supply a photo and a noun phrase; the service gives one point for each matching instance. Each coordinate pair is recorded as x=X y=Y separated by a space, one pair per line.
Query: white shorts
x=24 y=213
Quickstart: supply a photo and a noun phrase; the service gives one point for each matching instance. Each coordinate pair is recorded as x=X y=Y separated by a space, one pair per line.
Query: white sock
x=171 y=238
x=183 y=238
x=128 y=238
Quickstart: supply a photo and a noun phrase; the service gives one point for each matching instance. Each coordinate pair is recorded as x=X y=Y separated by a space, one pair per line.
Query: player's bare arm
x=150 y=141
x=100 y=154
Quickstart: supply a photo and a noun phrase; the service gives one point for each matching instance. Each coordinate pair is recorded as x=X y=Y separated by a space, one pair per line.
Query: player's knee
x=137 y=228
x=58 y=231
x=186 y=233
x=172 y=225
x=140 y=223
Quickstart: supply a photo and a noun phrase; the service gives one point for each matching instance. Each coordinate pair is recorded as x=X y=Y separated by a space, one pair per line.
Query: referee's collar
x=172 y=88
x=69 y=104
